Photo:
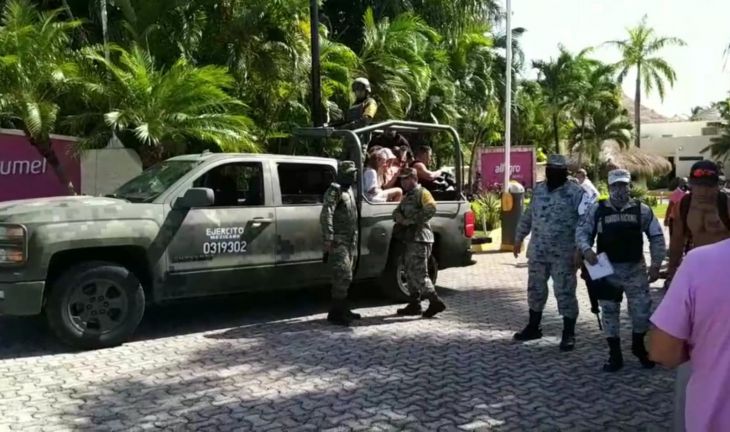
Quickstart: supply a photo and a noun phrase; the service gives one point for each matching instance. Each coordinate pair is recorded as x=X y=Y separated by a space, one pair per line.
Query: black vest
x=619 y=233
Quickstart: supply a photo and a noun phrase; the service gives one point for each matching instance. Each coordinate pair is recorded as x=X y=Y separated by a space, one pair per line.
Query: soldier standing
x=412 y=226
x=618 y=225
x=552 y=218
x=339 y=229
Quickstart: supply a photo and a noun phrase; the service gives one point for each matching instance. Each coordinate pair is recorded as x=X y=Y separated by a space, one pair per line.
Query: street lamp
x=316 y=83
x=508 y=101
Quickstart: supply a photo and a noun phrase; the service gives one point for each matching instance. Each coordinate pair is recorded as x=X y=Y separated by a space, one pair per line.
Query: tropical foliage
x=640 y=52
x=186 y=75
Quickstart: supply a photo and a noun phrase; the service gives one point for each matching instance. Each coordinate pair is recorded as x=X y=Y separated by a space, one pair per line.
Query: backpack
x=684 y=205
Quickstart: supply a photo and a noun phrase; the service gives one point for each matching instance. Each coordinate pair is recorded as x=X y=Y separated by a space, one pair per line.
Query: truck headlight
x=13 y=244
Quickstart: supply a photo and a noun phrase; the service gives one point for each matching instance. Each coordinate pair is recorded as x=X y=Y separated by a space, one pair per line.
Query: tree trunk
x=472 y=158
x=43 y=145
x=582 y=142
x=637 y=107
x=556 y=133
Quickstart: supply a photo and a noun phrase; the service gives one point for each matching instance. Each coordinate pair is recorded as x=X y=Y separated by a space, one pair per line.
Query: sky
x=702 y=24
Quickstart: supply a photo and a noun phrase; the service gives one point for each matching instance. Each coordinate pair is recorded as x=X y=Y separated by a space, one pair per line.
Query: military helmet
x=363 y=82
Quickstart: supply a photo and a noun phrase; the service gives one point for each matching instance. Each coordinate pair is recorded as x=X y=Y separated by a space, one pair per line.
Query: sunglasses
x=703 y=173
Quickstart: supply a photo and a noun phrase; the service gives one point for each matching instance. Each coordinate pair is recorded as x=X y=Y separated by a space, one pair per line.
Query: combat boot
x=639 y=350
x=352 y=315
x=413 y=307
x=435 y=305
x=338 y=314
x=616 y=359
x=567 y=342
x=533 y=330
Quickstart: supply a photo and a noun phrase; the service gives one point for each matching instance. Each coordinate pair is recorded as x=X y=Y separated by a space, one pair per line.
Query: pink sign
x=522 y=164
x=24 y=173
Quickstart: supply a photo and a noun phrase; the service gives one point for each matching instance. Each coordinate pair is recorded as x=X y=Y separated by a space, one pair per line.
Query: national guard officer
x=412 y=227
x=339 y=229
x=618 y=225
x=552 y=218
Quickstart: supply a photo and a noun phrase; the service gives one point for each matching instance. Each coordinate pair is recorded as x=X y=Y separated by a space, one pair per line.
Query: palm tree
x=719 y=148
x=394 y=58
x=639 y=51
x=560 y=80
x=36 y=69
x=595 y=90
x=609 y=122
x=164 y=108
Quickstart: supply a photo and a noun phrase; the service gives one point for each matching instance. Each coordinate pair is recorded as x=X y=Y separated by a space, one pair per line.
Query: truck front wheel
x=394 y=282
x=95 y=305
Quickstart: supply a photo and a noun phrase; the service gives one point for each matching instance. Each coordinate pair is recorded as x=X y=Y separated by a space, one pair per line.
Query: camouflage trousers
x=633 y=279
x=564 y=277
x=416 y=263
x=341 y=260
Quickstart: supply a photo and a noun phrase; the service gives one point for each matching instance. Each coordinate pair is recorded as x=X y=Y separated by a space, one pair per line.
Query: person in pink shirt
x=673 y=207
x=692 y=325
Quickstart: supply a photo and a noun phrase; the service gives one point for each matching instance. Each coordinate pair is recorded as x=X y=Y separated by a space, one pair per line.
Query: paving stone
x=281 y=367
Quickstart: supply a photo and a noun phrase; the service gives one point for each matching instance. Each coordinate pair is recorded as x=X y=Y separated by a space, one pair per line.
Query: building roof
x=648 y=115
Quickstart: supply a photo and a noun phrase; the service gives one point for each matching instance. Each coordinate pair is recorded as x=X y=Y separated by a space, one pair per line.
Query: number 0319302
x=225 y=247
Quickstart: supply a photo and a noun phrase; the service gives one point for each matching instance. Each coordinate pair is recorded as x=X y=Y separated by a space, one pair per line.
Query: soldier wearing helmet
x=363 y=111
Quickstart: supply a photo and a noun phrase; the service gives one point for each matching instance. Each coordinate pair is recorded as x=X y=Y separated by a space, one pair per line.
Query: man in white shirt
x=590 y=195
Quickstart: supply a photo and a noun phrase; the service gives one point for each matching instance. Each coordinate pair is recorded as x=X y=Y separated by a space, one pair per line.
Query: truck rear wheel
x=393 y=281
x=95 y=304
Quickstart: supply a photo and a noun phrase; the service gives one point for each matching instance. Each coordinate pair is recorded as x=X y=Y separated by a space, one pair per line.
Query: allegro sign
x=491 y=166
x=24 y=173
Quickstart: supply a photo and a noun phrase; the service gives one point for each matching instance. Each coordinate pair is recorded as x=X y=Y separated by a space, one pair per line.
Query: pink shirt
x=675 y=197
x=696 y=309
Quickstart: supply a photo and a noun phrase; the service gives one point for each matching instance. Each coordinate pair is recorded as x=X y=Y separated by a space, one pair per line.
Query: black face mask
x=555 y=177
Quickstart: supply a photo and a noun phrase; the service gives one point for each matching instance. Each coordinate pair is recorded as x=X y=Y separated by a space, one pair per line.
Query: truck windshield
x=153 y=181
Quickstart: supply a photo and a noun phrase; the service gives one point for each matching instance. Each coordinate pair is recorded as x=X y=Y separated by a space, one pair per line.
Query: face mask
x=619 y=194
x=346 y=179
x=555 y=177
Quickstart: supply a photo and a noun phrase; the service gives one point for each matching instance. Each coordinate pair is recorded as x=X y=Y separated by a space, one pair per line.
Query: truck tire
x=393 y=281
x=95 y=304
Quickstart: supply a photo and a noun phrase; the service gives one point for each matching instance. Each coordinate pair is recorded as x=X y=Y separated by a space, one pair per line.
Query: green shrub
x=651 y=200
x=638 y=192
x=487 y=210
x=659 y=182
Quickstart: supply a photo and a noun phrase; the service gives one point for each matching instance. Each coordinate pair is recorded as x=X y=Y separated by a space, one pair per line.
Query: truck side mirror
x=194 y=198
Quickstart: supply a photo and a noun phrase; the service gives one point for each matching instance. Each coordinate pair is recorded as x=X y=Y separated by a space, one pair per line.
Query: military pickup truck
x=192 y=226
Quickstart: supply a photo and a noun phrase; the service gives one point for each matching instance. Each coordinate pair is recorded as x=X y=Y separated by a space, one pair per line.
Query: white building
x=679 y=140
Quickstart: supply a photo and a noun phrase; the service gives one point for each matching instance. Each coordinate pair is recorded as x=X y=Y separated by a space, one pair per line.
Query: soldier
x=618 y=225
x=339 y=229
x=412 y=227
x=363 y=111
x=552 y=218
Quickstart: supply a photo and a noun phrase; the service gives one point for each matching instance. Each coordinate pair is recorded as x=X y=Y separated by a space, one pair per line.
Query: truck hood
x=74 y=209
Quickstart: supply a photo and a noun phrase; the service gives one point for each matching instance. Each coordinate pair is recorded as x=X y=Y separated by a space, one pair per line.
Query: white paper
x=602 y=269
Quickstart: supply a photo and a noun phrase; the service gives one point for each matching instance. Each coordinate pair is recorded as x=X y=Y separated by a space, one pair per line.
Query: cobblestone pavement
x=258 y=363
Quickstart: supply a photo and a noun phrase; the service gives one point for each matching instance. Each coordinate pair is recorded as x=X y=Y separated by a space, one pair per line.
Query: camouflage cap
x=408 y=172
x=619 y=176
x=557 y=161
x=346 y=167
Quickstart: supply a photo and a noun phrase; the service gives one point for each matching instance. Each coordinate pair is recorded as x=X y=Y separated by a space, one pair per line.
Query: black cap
x=704 y=172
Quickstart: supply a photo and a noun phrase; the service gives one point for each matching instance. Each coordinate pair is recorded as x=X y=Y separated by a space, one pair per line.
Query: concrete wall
x=680 y=142
x=104 y=170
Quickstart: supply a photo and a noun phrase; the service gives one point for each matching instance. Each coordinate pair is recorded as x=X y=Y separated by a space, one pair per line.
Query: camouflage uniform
x=339 y=226
x=551 y=218
x=412 y=227
x=625 y=240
